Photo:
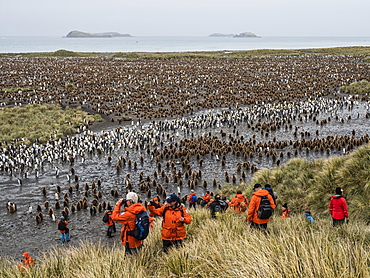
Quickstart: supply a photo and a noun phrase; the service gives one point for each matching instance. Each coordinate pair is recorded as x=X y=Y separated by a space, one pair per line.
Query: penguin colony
x=209 y=100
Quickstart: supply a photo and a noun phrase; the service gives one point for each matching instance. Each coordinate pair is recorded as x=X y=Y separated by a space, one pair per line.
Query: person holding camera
x=175 y=216
x=128 y=218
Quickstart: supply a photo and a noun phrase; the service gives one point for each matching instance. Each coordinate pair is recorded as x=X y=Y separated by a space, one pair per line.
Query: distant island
x=241 y=35
x=79 y=34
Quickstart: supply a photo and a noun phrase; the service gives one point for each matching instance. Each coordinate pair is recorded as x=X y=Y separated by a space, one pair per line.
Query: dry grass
x=225 y=247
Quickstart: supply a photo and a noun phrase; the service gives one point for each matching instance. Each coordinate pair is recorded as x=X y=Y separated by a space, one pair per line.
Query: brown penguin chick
x=73 y=208
x=38 y=219
x=46 y=204
x=57 y=205
x=38 y=208
x=43 y=190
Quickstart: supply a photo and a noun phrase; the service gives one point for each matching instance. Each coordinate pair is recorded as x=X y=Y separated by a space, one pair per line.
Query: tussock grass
x=25 y=124
x=360 y=88
x=223 y=247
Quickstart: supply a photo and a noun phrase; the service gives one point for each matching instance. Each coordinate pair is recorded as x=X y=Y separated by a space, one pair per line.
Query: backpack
x=106 y=218
x=194 y=198
x=217 y=209
x=62 y=226
x=142 y=226
x=265 y=209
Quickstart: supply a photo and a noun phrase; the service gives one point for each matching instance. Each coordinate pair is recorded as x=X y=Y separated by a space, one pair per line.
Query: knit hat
x=132 y=196
x=338 y=191
x=307 y=211
x=25 y=254
x=285 y=206
x=217 y=197
x=257 y=185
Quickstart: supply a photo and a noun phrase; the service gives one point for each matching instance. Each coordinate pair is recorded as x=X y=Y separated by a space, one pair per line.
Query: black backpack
x=62 y=226
x=142 y=226
x=106 y=218
x=265 y=209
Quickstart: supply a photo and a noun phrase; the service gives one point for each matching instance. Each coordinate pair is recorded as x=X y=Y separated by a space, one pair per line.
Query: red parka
x=338 y=207
x=255 y=204
x=128 y=219
x=172 y=227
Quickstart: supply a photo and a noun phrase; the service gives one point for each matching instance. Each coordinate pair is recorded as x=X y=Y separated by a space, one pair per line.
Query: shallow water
x=19 y=231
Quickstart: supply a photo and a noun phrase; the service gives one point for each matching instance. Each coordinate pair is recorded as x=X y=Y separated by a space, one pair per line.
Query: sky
x=186 y=18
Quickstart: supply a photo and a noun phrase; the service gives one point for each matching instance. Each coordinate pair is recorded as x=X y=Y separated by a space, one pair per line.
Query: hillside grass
x=46 y=122
x=225 y=247
x=358 y=51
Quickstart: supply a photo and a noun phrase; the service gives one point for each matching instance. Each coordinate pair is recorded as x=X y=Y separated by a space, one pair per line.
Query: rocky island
x=79 y=34
x=241 y=35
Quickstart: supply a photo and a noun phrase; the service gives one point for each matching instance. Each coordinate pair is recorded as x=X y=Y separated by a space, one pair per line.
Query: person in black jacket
x=217 y=206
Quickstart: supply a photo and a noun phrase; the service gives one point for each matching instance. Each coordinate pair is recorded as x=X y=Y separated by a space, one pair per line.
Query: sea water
x=171 y=44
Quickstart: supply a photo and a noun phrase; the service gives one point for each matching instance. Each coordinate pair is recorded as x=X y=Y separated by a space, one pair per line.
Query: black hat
x=338 y=191
x=285 y=206
x=172 y=198
x=257 y=185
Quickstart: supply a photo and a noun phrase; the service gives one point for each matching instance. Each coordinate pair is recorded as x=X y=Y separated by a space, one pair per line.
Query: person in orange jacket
x=175 y=216
x=110 y=224
x=128 y=218
x=254 y=205
x=27 y=262
x=285 y=211
x=206 y=198
x=192 y=199
x=239 y=203
x=63 y=229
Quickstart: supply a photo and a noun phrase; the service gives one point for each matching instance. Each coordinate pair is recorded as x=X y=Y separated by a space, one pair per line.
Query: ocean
x=171 y=44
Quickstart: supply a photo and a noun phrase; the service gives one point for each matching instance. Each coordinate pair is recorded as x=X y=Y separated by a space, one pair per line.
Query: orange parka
x=239 y=203
x=110 y=221
x=27 y=262
x=207 y=197
x=255 y=204
x=128 y=219
x=172 y=227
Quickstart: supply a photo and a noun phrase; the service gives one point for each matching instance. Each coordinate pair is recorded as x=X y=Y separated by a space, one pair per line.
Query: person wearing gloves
x=175 y=216
x=338 y=207
x=128 y=218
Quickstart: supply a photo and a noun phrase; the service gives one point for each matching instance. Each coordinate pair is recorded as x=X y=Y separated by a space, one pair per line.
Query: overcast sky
x=186 y=18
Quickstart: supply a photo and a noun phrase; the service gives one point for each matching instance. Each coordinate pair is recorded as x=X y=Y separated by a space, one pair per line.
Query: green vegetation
x=227 y=247
x=360 y=88
x=358 y=51
x=42 y=122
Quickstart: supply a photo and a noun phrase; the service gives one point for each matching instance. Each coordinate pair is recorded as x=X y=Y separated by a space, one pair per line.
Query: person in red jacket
x=254 y=205
x=175 y=216
x=338 y=207
x=128 y=218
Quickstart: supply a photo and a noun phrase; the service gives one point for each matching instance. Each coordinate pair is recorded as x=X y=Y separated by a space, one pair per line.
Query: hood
x=260 y=193
x=240 y=196
x=135 y=208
